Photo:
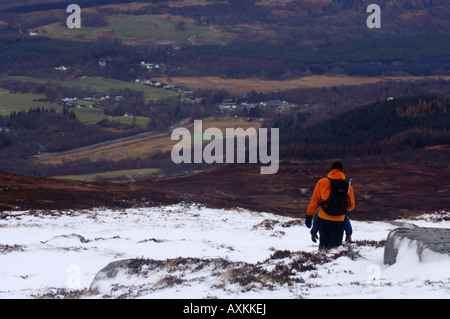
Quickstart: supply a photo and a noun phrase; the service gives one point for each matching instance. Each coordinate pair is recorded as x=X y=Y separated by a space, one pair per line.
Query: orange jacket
x=322 y=192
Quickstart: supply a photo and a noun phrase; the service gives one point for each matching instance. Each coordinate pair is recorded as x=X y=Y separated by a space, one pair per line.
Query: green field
x=131 y=29
x=132 y=174
x=10 y=102
x=101 y=86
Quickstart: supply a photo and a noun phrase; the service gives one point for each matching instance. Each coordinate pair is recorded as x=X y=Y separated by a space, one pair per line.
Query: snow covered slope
x=189 y=251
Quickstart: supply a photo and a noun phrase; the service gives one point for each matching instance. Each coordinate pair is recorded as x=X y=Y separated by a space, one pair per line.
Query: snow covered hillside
x=188 y=251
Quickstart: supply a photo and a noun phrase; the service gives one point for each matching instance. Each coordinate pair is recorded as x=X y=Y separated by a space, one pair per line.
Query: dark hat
x=337 y=165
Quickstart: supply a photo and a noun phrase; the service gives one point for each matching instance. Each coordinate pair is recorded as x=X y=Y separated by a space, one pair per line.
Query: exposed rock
x=400 y=224
x=127 y=266
x=424 y=240
x=110 y=271
x=75 y=237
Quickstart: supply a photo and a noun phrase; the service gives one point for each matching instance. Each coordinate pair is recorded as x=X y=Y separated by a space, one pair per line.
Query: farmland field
x=17 y=102
x=131 y=29
x=101 y=86
x=132 y=174
x=137 y=147
x=242 y=86
x=10 y=102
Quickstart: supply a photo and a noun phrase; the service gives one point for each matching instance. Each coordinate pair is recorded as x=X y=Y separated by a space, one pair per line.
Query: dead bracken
x=282 y=268
x=6 y=249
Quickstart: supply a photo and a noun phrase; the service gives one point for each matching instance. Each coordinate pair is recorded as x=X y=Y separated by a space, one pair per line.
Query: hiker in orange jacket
x=331 y=227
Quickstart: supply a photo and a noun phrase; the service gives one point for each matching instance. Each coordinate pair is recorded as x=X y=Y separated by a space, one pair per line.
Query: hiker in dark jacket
x=330 y=227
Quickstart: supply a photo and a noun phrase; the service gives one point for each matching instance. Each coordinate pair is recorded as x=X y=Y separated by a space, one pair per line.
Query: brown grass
x=242 y=86
x=140 y=147
x=116 y=151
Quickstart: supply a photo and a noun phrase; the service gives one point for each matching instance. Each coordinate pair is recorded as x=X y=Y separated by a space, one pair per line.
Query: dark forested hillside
x=35 y=56
x=378 y=129
x=419 y=55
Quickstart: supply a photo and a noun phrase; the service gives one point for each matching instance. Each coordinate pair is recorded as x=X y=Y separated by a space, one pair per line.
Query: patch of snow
x=189 y=251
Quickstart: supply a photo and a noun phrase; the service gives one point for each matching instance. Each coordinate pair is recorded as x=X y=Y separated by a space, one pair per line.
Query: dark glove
x=308 y=221
x=314 y=238
x=348 y=239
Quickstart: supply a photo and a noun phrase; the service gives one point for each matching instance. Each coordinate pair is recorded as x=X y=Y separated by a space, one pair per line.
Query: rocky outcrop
x=66 y=238
x=423 y=240
x=110 y=271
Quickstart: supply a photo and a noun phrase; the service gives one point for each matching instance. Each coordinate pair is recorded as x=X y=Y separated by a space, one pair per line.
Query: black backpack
x=336 y=204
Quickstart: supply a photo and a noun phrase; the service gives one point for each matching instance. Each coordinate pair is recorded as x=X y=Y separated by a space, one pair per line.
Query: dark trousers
x=330 y=233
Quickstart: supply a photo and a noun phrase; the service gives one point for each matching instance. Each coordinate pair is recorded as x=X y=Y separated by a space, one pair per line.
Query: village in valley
x=231 y=107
